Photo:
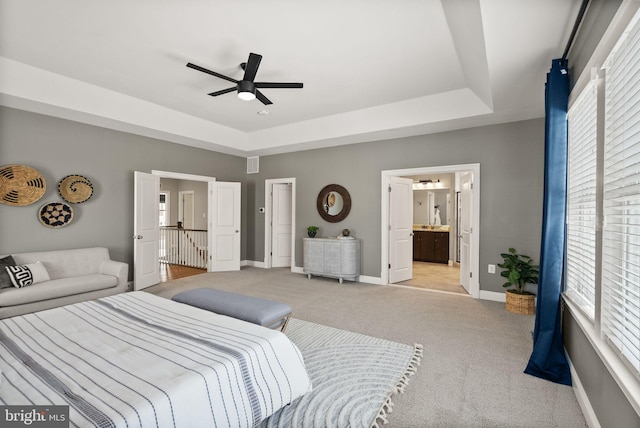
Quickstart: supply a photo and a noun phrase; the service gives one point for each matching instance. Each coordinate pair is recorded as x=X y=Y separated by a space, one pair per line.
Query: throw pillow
x=29 y=274
x=5 y=281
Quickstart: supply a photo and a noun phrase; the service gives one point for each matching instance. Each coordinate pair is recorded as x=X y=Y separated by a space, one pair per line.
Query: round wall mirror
x=334 y=203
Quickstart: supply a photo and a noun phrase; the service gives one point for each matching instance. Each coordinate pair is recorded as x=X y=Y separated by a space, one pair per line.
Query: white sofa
x=75 y=275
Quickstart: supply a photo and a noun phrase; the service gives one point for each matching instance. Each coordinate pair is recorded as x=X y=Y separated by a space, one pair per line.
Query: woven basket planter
x=523 y=304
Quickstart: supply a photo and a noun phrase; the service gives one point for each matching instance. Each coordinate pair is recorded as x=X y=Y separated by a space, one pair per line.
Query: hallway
x=171 y=271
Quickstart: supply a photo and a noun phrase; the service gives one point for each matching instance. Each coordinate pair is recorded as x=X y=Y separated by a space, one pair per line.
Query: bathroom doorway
x=436 y=234
x=434 y=231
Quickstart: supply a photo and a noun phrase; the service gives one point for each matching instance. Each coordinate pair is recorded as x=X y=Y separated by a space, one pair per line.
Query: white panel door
x=466 y=205
x=281 y=225
x=225 y=226
x=401 y=229
x=146 y=231
x=186 y=210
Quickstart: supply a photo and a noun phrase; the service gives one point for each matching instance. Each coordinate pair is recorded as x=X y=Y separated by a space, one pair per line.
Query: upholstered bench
x=267 y=313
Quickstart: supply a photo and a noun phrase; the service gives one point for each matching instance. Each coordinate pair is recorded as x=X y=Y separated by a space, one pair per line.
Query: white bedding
x=136 y=359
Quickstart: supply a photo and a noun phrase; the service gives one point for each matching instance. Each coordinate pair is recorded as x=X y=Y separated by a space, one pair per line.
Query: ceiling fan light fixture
x=246 y=90
x=246 y=96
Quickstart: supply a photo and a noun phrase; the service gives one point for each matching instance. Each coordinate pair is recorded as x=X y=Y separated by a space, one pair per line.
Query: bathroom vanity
x=431 y=246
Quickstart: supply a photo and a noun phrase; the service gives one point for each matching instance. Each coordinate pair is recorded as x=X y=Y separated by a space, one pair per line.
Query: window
x=621 y=201
x=164 y=209
x=603 y=205
x=581 y=200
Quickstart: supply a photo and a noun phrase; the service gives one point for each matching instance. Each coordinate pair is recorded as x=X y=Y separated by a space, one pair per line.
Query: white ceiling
x=371 y=69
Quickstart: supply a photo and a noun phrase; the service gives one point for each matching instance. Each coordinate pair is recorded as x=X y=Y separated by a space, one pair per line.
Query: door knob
x=137 y=237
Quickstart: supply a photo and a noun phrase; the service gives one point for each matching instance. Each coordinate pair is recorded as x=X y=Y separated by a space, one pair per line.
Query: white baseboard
x=370 y=279
x=484 y=295
x=493 y=295
x=583 y=399
x=252 y=263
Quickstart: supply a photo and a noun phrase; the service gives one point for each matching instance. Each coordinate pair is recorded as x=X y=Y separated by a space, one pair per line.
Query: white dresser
x=332 y=257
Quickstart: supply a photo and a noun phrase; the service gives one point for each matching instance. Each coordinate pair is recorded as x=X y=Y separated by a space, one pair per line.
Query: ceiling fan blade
x=277 y=85
x=252 y=67
x=213 y=73
x=224 y=91
x=264 y=100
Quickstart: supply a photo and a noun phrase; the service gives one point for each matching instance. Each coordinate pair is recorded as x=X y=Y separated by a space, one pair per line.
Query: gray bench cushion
x=263 y=312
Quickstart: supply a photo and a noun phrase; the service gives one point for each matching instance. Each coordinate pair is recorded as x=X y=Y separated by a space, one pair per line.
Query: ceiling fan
x=247 y=88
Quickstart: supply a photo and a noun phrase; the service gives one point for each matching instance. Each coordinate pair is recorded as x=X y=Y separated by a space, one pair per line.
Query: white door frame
x=192 y=177
x=268 y=201
x=474 y=262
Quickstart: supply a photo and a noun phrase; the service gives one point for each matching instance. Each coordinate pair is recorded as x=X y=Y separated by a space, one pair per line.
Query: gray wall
x=609 y=403
x=511 y=160
x=108 y=158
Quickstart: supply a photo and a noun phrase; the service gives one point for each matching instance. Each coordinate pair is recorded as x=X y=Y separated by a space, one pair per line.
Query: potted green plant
x=519 y=270
x=312 y=230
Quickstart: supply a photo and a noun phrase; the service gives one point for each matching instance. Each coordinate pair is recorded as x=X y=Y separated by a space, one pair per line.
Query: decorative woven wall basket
x=523 y=304
x=75 y=189
x=21 y=185
x=55 y=214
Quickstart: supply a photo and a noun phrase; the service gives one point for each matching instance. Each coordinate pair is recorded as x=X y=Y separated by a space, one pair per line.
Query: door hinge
x=271 y=253
x=470 y=274
x=389 y=265
x=471 y=186
x=389 y=227
x=389 y=189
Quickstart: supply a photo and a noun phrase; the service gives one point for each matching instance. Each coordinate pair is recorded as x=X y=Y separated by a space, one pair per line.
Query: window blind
x=620 y=317
x=581 y=200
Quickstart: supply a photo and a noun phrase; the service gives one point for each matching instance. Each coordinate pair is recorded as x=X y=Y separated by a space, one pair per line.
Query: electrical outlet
x=492 y=269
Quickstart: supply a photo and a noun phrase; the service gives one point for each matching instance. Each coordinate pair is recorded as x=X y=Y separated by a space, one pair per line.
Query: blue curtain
x=548 y=360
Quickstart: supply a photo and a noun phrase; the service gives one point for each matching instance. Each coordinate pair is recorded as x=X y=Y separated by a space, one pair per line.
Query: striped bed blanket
x=139 y=360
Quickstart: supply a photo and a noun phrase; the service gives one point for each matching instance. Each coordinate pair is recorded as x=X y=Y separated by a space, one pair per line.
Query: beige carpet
x=474 y=351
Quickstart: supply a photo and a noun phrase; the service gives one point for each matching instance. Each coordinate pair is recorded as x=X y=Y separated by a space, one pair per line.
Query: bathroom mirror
x=333 y=203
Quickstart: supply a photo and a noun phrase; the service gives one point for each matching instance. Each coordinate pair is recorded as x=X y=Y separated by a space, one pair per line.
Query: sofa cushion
x=5 y=281
x=66 y=263
x=29 y=274
x=56 y=288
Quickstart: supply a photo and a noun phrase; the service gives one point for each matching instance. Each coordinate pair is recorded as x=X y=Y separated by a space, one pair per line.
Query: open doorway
x=434 y=233
x=223 y=210
x=434 y=262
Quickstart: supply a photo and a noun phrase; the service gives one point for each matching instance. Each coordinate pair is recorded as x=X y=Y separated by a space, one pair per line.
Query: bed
x=136 y=359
